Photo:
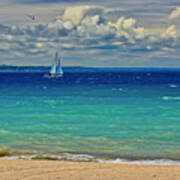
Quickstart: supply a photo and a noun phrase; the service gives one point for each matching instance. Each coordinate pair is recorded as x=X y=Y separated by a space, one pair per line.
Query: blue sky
x=91 y=33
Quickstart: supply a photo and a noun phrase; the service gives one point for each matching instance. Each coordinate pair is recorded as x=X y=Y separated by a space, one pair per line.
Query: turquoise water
x=92 y=113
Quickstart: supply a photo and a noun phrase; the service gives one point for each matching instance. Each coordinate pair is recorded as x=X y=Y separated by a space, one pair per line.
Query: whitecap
x=171 y=98
x=173 y=86
x=144 y=162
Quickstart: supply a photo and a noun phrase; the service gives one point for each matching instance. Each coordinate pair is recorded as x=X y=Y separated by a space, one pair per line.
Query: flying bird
x=31 y=17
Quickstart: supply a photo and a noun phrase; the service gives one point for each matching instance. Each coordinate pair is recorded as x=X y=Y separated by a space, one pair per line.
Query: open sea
x=119 y=115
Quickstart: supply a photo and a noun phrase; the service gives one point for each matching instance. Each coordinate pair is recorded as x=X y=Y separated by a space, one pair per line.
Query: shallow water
x=125 y=114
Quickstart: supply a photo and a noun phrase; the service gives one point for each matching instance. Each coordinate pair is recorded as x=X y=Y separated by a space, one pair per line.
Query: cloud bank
x=86 y=31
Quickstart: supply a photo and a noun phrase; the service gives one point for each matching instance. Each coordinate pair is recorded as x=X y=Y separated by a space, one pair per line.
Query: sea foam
x=171 y=98
x=90 y=158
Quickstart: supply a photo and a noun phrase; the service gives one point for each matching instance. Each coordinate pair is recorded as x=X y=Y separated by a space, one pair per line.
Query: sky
x=91 y=33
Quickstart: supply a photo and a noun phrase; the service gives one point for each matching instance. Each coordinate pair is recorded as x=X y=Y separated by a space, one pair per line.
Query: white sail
x=59 y=68
x=53 y=67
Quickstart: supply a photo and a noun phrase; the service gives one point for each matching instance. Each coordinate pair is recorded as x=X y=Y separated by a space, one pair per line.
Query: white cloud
x=175 y=14
x=171 y=32
x=81 y=31
x=68 y=25
x=76 y=13
x=91 y=20
x=139 y=33
x=129 y=23
x=127 y=28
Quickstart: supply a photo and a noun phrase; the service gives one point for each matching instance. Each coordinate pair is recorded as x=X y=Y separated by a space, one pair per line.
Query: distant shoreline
x=6 y=68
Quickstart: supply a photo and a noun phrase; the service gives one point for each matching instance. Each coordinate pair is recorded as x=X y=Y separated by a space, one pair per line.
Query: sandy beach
x=52 y=170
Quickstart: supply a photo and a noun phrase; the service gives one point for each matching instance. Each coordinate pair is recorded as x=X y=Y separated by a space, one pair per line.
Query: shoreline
x=92 y=159
x=11 y=169
x=9 y=153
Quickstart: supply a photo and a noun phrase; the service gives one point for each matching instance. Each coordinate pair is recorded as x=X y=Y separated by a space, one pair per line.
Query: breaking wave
x=7 y=153
x=171 y=98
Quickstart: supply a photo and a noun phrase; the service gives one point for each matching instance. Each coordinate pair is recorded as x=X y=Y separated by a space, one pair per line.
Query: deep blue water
x=122 y=113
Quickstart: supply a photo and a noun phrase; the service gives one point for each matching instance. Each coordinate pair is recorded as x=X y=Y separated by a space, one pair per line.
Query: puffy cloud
x=76 y=13
x=139 y=32
x=95 y=27
x=175 y=14
x=129 y=23
x=68 y=25
x=91 y=20
x=171 y=32
x=80 y=29
x=127 y=28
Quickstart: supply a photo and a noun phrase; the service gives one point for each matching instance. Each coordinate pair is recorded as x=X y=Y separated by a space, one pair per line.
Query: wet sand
x=58 y=170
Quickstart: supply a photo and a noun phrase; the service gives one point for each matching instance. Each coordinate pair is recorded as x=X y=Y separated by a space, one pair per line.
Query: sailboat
x=56 y=69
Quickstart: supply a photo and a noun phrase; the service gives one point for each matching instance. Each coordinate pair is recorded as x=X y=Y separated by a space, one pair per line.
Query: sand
x=52 y=170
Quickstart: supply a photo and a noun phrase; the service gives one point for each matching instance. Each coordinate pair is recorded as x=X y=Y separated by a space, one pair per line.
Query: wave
x=88 y=158
x=171 y=98
x=7 y=153
x=117 y=89
x=144 y=162
x=173 y=86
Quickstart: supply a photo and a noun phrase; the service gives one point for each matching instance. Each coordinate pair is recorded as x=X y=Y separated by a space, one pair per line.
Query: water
x=130 y=114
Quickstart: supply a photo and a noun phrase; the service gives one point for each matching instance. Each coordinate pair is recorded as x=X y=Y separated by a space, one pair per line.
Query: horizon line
x=125 y=67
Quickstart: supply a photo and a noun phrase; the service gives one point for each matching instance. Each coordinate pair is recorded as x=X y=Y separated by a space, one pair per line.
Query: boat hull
x=53 y=75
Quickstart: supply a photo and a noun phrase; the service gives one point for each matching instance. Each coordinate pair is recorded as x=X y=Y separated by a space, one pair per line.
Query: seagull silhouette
x=31 y=17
